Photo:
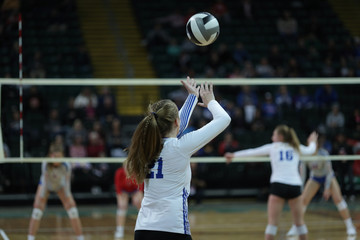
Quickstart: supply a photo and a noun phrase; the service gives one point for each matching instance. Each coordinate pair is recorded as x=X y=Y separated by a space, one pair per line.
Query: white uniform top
x=164 y=206
x=322 y=168
x=284 y=160
x=54 y=178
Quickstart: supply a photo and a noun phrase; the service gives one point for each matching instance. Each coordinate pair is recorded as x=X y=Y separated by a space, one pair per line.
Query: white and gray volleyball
x=202 y=29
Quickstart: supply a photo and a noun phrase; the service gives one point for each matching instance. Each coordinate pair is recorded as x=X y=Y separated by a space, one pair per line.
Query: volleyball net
x=279 y=100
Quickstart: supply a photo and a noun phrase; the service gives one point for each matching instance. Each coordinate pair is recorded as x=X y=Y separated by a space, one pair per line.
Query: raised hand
x=190 y=85
x=229 y=156
x=312 y=137
x=206 y=94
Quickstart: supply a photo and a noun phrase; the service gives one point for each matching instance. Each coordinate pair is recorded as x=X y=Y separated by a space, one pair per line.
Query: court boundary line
x=3 y=235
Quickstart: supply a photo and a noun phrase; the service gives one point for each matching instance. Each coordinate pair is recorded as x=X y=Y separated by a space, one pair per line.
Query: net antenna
x=21 y=89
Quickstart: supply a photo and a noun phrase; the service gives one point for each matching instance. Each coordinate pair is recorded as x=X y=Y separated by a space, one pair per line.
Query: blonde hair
x=289 y=136
x=146 y=143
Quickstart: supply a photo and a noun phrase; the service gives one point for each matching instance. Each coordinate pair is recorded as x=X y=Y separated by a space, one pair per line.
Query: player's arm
x=189 y=104
x=259 y=151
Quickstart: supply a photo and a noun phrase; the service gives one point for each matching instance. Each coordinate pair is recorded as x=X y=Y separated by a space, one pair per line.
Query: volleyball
x=202 y=29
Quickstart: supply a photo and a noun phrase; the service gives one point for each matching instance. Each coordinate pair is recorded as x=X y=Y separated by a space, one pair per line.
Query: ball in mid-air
x=202 y=29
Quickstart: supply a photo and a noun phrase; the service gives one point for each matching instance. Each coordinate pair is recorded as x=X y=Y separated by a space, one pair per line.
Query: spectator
x=325 y=96
x=246 y=10
x=78 y=150
x=328 y=68
x=287 y=26
x=332 y=50
x=247 y=96
x=107 y=112
x=228 y=144
x=268 y=108
x=237 y=121
x=264 y=69
x=76 y=130
x=96 y=146
x=173 y=49
x=82 y=60
x=175 y=20
x=283 y=100
x=345 y=70
x=293 y=68
x=275 y=58
x=54 y=126
x=157 y=36
x=37 y=68
x=224 y=54
x=257 y=125
x=344 y=168
x=85 y=97
x=354 y=119
x=240 y=55
x=70 y=113
x=335 y=120
x=248 y=70
x=115 y=140
x=220 y=11
x=236 y=73
x=303 y=100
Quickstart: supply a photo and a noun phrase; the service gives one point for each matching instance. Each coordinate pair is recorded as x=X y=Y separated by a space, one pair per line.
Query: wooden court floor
x=212 y=220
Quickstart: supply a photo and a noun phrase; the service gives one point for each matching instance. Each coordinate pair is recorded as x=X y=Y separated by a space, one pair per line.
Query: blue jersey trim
x=186 y=113
x=185 y=213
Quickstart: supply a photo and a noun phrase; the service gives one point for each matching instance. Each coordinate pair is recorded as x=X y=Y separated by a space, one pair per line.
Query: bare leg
x=137 y=198
x=122 y=207
x=275 y=206
x=39 y=203
x=298 y=214
x=68 y=203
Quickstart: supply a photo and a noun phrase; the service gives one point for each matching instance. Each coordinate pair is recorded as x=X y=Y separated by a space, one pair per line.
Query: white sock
x=81 y=237
x=120 y=229
x=30 y=237
x=348 y=222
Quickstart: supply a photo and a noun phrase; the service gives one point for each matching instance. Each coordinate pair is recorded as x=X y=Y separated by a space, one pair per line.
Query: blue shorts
x=320 y=180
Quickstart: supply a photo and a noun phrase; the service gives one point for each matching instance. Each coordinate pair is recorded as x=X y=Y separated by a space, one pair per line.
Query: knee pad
x=302 y=229
x=271 y=230
x=37 y=214
x=341 y=205
x=121 y=212
x=73 y=212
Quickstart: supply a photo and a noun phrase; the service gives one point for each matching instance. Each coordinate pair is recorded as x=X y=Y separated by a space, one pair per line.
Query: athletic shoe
x=119 y=235
x=351 y=231
x=292 y=231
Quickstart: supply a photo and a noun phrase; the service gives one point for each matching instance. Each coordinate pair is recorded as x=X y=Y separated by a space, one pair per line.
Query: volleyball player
x=56 y=178
x=126 y=187
x=285 y=179
x=321 y=173
x=162 y=161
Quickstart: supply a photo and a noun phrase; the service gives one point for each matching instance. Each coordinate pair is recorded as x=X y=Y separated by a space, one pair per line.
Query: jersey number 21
x=159 y=173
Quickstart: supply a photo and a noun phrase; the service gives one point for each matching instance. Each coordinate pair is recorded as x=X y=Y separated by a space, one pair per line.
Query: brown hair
x=289 y=136
x=146 y=143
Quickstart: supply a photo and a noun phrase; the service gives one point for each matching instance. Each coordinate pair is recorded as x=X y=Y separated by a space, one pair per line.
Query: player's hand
x=312 y=137
x=326 y=194
x=206 y=94
x=190 y=85
x=229 y=156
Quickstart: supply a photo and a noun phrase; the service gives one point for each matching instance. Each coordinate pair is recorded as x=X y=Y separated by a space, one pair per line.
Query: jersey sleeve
x=259 y=151
x=193 y=141
x=308 y=150
x=185 y=112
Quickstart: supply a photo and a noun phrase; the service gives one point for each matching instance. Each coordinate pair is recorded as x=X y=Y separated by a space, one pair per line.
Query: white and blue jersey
x=321 y=171
x=284 y=160
x=55 y=178
x=167 y=186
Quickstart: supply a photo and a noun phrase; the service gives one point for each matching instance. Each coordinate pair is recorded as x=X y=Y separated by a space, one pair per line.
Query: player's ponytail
x=289 y=136
x=147 y=140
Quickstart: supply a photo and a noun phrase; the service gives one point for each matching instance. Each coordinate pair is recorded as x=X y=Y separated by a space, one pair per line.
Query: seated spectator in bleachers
x=96 y=147
x=227 y=144
x=237 y=124
x=85 y=97
x=275 y=58
x=247 y=95
x=287 y=26
x=240 y=54
x=157 y=36
x=335 y=120
x=175 y=20
x=325 y=96
x=246 y=10
x=220 y=11
x=268 y=108
x=264 y=69
x=115 y=140
x=293 y=68
x=248 y=71
x=70 y=113
x=107 y=112
x=76 y=130
x=56 y=22
x=345 y=70
x=354 y=119
x=283 y=97
x=258 y=124
x=303 y=100
x=328 y=69
x=77 y=148
x=236 y=73
x=37 y=69
x=54 y=126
